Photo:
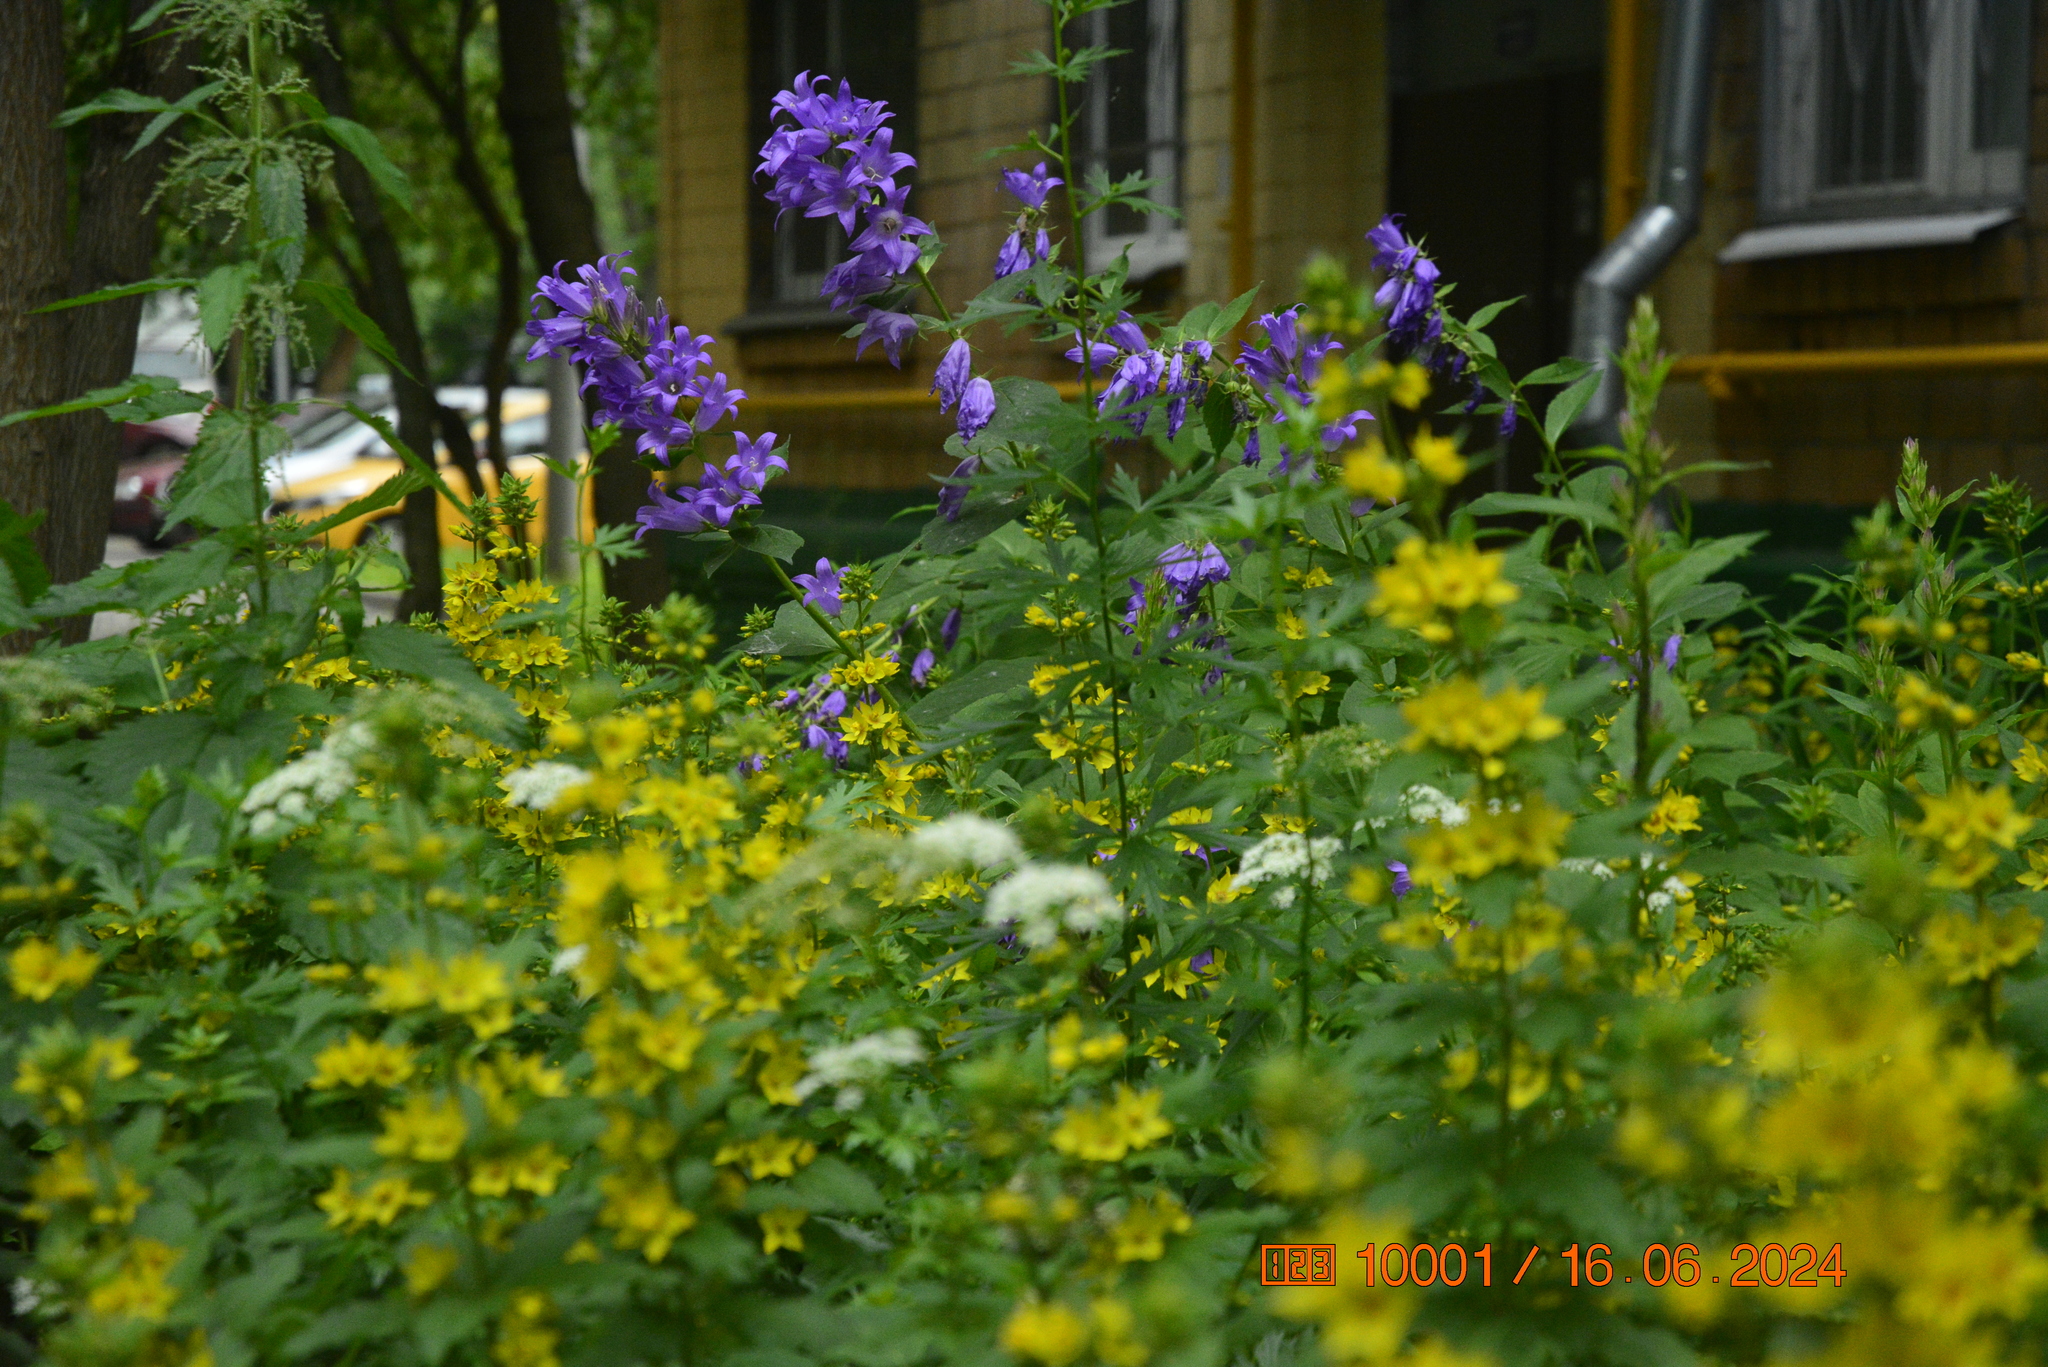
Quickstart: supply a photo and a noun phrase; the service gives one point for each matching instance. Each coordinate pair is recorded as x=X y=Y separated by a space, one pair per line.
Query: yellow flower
x=694 y=807
x=874 y=723
x=868 y=669
x=427 y=1128
x=403 y=986
x=1529 y=836
x=1295 y=685
x=1361 y=1321
x=1059 y=744
x=644 y=1214
x=1046 y=675
x=1961 y=827
x=1048 y=1333
x=538 y=1169
x=1919 y=704
x=385 y=1201
x=138 y=1288
x=780 y=1229
x=1292 y=627
x=1116 y=1341
x=357 y=1062
x=1432 y=580
x=1141 y=1235
x=1439 y=458
x=427 y=1267
x=1971 y=947
x=671 y=1040
x=526 y=1338
x=1674 y=812
x=1189 y=816
x=2036 y=876
x=1458 y=715
x=2029 y=765
x=619 y=739
x=1104 y=1134
x=39 y=970
x=1368 y=473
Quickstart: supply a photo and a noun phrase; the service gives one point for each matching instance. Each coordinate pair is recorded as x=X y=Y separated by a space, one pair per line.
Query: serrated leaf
x=407 y=650
x=392 y=491
x=172 y=113
x=224 y=481
x=132 y=388
x=989 y=679
x=281 y=204
x=794 y=633
x=220 y=301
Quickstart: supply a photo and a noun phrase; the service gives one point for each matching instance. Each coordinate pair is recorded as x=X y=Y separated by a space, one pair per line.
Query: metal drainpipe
x=1608 y=288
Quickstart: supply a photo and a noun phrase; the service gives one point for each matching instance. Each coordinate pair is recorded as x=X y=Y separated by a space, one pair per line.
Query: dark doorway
x=1496 y=164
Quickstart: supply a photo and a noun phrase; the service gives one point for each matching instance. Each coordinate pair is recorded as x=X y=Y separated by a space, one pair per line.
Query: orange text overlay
x=1801 y=1265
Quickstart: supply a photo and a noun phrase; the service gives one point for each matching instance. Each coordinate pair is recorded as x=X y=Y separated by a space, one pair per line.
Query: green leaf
x=1568 y=405
x=363 y=145
x=779 y=543
x=1558 y=372
x=217 y=487
x=150 y=286
x=343 y=310
x=150 y=15
x=18 y=553
x=794 y=634
x=281 y=202
x=408 y=455
x=392 y=491
x=172 y=113
x=220 y=301
x=1227 y=317
x=408 y=650
x=160 y=403
x=1490 y=312
x=989 y=679
x=1219 y=418
x=132 y=388
x=1545 y=505
x=113 y=102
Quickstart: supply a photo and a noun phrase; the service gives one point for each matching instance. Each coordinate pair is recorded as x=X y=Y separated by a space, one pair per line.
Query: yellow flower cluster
x=1528 y=836
x=357 y=1062
x=1052 y=1333
x=1067 y=1045
x=382 y=1202
x=61 y=1072
x=1430 y=584
x=1973 y=947
x=1460 y=716
x=472 y=986
x=1964 y=829
x=71 y=1178
x=1140 y=1236
x=38 y=970
x=1920 y=703
x=1674 y=814
x=1105 y=1133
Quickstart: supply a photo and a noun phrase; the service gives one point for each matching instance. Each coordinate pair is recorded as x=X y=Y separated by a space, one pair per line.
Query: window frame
x=1955 y=174
x=1163 y=243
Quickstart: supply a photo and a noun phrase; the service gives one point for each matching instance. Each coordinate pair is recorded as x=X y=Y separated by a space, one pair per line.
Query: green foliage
x=531 y=988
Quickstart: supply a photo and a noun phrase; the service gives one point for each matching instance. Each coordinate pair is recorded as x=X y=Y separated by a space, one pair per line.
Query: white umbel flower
x=290 y=798
x=1596 y=867
x=1041 y=899
x=1286 y=858
x=862 y=1060
x=1424 y=804
x=539 y=787
x=958 y=841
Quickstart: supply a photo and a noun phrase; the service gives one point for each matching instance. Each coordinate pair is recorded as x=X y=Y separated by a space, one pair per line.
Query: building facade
x=1868 y=267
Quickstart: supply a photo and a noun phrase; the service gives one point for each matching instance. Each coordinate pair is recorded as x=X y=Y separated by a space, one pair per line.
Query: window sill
x=1862 y=235
x=810 y=318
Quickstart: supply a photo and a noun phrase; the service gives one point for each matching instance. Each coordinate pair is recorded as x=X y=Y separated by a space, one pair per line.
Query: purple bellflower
x=1187 y=571
x=821 y=590
x=953 y=497
x=949 y=630
x=921 y=667
x=1028 y=242
x=955 y=382
x=1407 y=298
x=817 y=710
x=831 y=156
x=1403 y=884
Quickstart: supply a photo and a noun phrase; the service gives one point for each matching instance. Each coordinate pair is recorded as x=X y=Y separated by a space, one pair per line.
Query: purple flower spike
x=921 y=667
x=1407 y=298
x=949 y=630
x=956 y=368
x=1188 y=571
x=821 y=590
x=977 y=406
x=953 y=497
x=1671 y=646
x=1403 y=884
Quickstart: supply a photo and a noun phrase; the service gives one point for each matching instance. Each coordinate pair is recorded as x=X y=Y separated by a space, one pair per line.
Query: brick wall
x=1836 y=439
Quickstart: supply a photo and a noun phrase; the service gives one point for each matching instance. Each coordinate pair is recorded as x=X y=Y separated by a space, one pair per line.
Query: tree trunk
x=114 y=243
x=388 y=301
x=561 y=225
x=32 y=210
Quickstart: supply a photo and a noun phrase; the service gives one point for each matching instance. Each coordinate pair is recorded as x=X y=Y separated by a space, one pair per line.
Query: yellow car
x=324 y=476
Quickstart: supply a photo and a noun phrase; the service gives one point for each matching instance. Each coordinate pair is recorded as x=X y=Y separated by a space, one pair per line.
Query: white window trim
x=1956 y=174
x=1164 y=242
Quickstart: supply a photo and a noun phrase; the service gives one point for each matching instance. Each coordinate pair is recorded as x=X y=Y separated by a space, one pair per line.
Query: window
x=873 y=44
x=1131 y=121
x=1888 y=108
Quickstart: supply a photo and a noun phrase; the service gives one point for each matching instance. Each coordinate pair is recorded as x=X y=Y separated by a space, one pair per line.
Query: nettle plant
x=1014 y=934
